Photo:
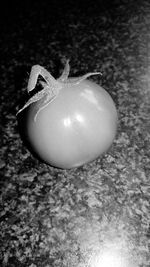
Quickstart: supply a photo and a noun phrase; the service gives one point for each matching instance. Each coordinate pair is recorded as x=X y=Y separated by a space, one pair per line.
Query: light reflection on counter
x=108 y=258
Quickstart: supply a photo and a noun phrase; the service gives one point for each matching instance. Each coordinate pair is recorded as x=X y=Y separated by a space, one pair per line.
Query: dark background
x=53 y=217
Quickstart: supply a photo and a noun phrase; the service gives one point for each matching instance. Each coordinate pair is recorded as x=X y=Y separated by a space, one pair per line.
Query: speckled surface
x=52 y=217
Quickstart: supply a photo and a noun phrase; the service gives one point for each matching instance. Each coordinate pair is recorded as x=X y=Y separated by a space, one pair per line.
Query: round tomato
x=76 y=127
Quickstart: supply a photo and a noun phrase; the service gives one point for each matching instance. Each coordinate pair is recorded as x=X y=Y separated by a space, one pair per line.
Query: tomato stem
x=65 y=74
x=84 y=77
x=51 y=86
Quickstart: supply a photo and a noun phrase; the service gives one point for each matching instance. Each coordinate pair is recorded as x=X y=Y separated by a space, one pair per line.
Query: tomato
x=75 y=128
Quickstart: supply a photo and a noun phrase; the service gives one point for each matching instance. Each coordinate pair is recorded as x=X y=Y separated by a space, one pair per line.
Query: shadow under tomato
x=21 y=118
x=22 y=121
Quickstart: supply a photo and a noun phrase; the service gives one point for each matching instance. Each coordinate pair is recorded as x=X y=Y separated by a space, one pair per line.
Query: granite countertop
x=51 y=217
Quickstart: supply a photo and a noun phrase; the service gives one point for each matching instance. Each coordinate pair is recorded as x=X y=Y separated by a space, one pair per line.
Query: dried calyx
x=50 y=85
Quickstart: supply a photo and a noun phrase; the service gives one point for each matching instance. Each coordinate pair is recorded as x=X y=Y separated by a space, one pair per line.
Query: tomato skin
x=75 y=128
